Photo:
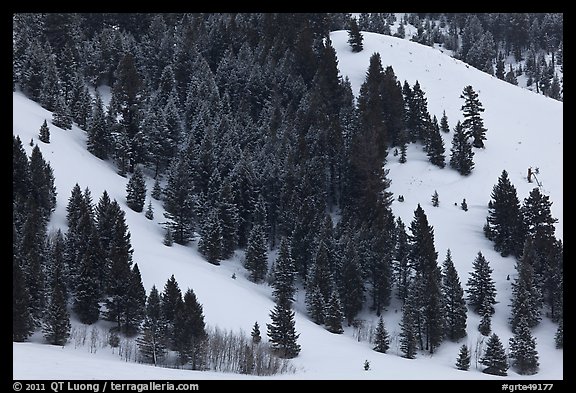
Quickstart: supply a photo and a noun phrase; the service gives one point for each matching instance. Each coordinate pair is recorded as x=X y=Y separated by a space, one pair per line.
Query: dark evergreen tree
x=435 y=201
x=168 y=240
x=190 y=331
x=463 y=361
x=494 y=357
x=149 y=211
x=88 y=287
x=559 y=336
x=352 y=283
x=56 y=326
x=136 y=191
x=473 y=124
x=355 y=37
x=42 y=188
x=44 y=134
x=455 y=311
x=461 y=153
x=505 y=218
x=418 y=119
x=434 y=145
x=22 y=321
x=256 y=256
x=156 y=190
x=99 y=140
x=444 y=127
x=282 y=331
x=62 y=116
x=526 y=293
x=210 y=243
x=381 y=337
x=523 y=350
x=229 y=219
x=135 y=303
x=171 y=299
x=409 y=325
x=485 y=325
x=284 y=274
x=402 y=270
x=481 y=289
x=178 y=200
x=151 y=343
x=334 y=314
x=315 y=304
x=255 y=334
x=510 y=76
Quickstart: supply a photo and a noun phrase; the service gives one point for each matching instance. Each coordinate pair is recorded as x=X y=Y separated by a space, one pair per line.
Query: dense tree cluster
x=255 y=142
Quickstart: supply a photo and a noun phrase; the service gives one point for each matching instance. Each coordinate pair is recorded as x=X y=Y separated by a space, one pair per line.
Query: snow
x=525 y=129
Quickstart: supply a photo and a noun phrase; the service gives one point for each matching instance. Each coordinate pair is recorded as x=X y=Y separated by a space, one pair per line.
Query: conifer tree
x=88 y=287
x=334 y=314
x=170 y=301
x=135 y=303
x=409 y=324
x=381 y=338
x=401 y=267
x=168 y=240
x=485 y=325
x=559 y=336
x=351 y=282
x=256 y=338
x=355 y=37
x=463 y=361
x=210 y=243
x=444 y=127
x=455 y=312
x=156 y=190
x=149 y=211
x=136 y=191
x=256 y=256
x=62 y=116
x=190 y=331
x=179 y=201
x=473 y=124
x=505 y=218
x=151 y=344
x=461 y=153
x=282 y=331
x=481 y=289
x=494 y=357
x=435 y=201
x=434 y=145
x=22 y=321
x=526 y=294
x=284 y=274
x=315 y=304
x=44 y=134
x=56 y=327
x=523 y=350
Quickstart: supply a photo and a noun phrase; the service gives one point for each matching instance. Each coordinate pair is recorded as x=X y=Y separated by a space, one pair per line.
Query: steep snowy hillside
x=524 y=130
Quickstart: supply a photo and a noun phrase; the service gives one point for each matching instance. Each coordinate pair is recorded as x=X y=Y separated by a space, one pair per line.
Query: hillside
x=524 y=130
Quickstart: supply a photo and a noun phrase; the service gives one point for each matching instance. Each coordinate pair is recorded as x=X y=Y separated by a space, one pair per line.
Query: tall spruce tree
x=190 y=331
x=282 y=330
x=351 y=281
x=44 y=133
x=88 y=290
x=22 y=321
x=256 y=255
x=381 y=337
x=523 y=350
x=151 y=343
x=334 y=314
x=284 y=274
x=178 y=200
x=455 y=311
x=481 y=288
x=505 y=218
x=463 y=361
x=56 y=326
x=494 y=357
x=434 y=144
x=136 y=191
x=410 y=322
x=526 y=293
x=461 y=153
x=355 y=37
x=473 y=124
x=170 y=301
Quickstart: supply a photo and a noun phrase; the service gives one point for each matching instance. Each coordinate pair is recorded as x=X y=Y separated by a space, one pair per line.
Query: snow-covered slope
x=524 y=129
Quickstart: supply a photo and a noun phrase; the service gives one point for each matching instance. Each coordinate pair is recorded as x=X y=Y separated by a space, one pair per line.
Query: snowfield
x=525 y=130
